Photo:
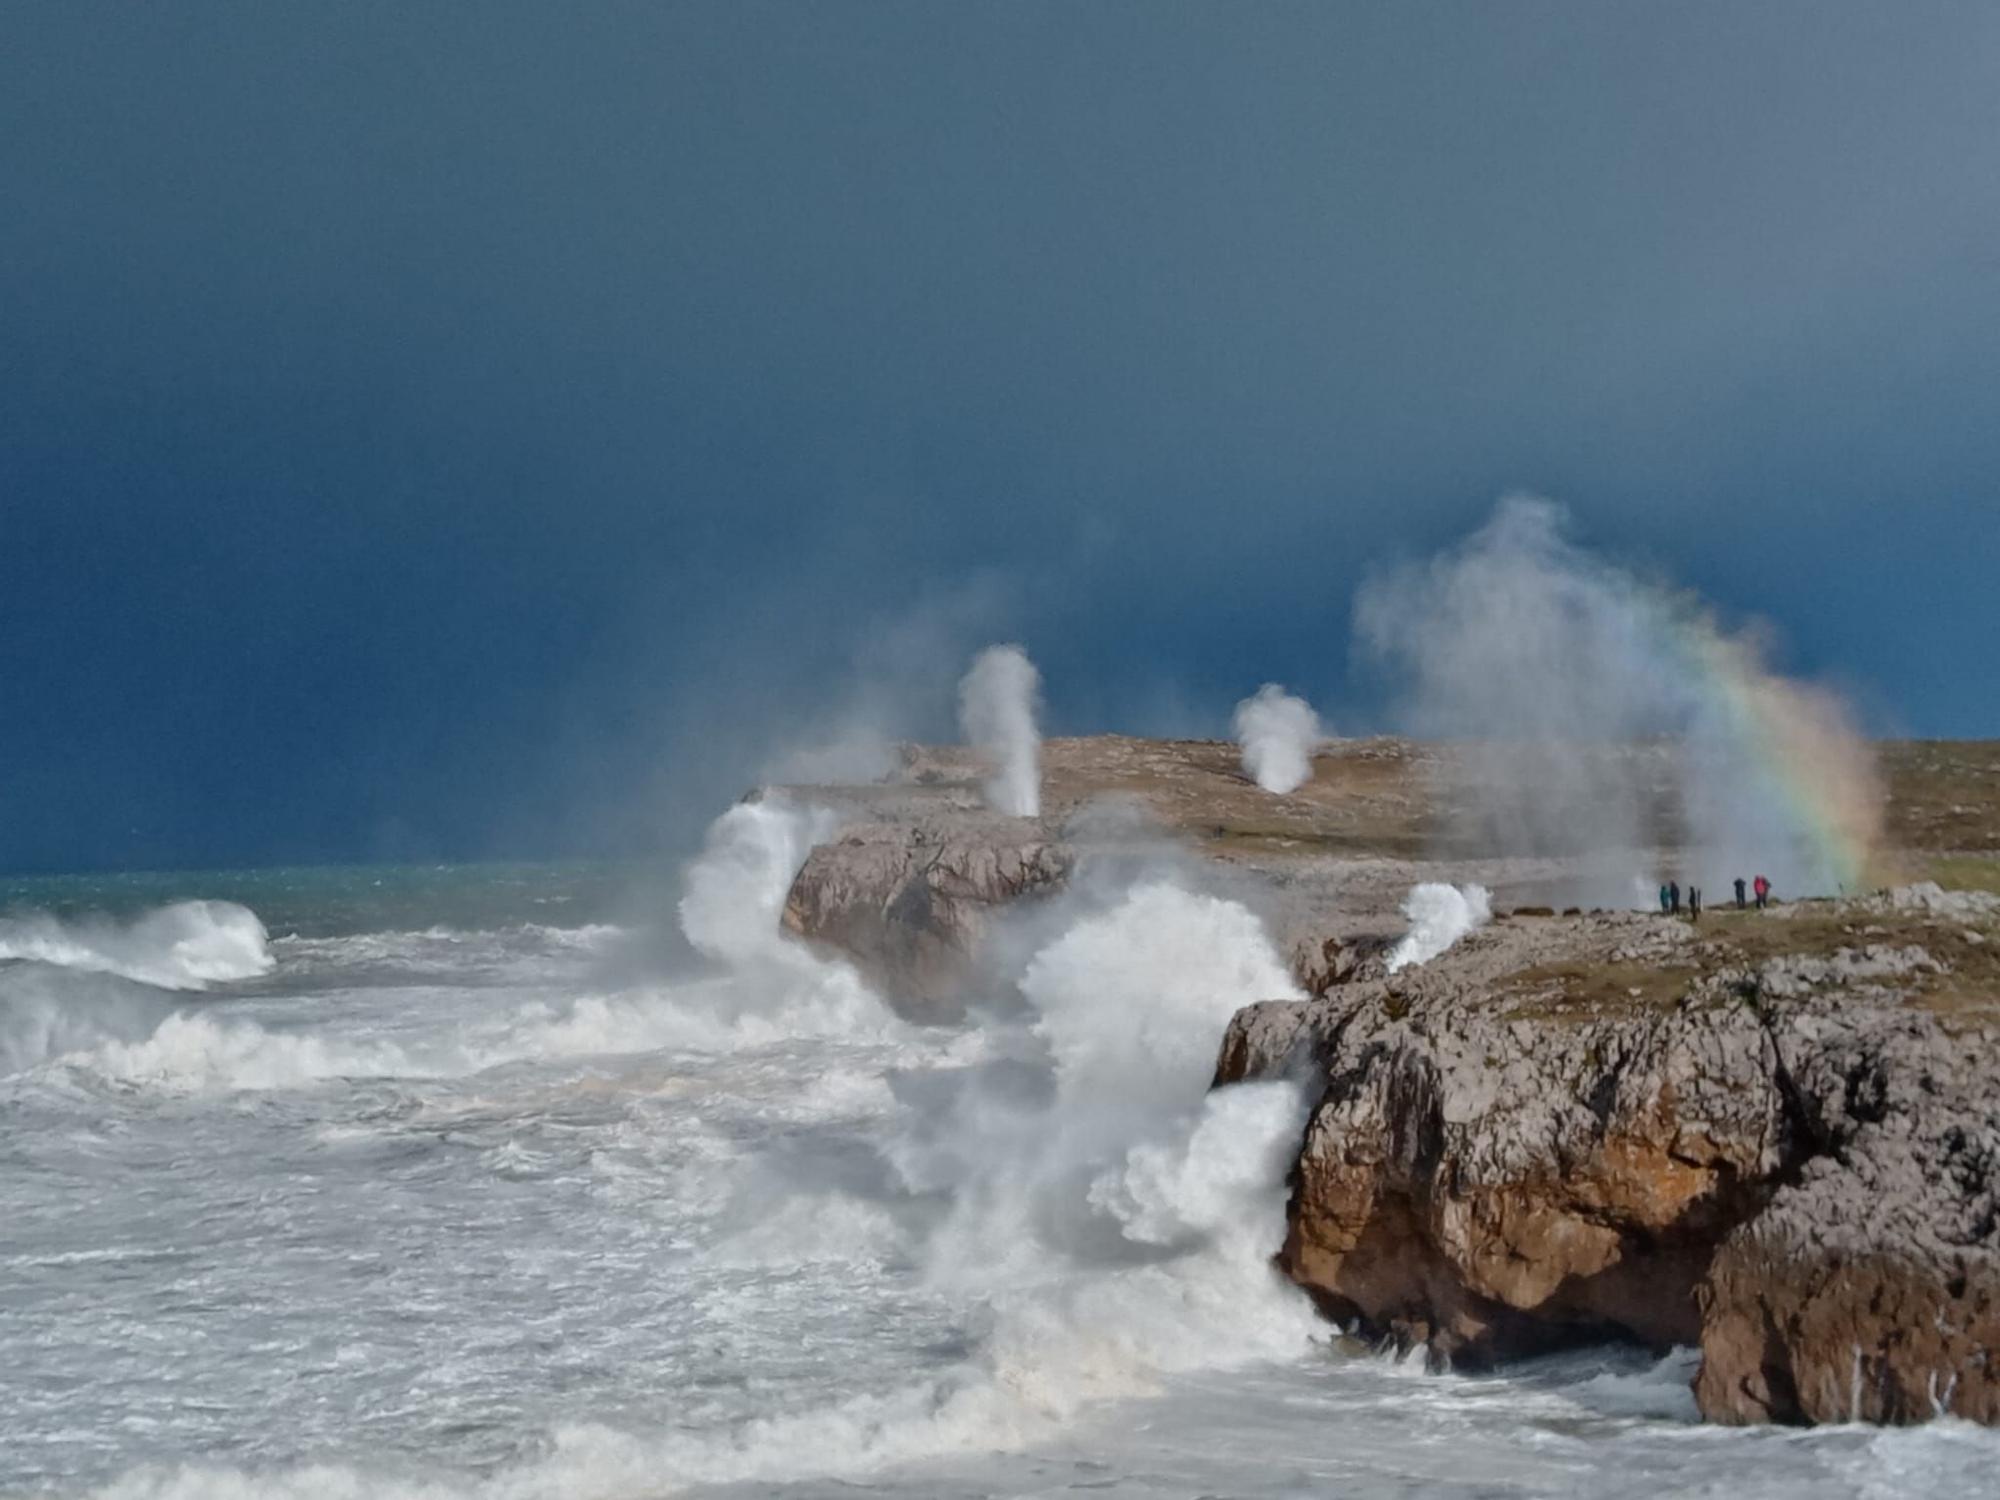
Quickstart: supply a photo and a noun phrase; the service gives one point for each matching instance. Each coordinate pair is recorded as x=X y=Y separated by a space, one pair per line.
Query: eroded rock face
x=909 y=906
x=1788 y=1166
x=1784 y=1152
x=1869 y=1287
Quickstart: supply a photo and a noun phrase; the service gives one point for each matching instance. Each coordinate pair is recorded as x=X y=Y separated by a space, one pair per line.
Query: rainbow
x=1802 y=792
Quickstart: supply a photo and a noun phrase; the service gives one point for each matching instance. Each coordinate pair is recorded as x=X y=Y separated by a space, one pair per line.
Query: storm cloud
x=444 y=430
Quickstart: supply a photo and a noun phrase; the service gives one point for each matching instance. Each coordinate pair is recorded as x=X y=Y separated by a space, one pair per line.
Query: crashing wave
x=186 y=946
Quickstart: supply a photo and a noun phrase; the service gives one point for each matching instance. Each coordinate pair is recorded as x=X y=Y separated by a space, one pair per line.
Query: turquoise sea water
x=335 y=900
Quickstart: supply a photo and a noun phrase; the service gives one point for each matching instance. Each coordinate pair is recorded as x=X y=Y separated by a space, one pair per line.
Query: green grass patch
x=1965 y=873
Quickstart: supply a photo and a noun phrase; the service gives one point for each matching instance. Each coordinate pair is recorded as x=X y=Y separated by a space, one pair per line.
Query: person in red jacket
x=1763 y=889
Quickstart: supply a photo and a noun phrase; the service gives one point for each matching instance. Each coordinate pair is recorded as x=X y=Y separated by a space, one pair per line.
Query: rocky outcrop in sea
x=1772 y=1136
x=1789 y=1162
x=911 y=904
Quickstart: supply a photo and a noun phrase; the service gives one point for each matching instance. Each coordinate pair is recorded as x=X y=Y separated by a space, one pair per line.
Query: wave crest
x=188 y=945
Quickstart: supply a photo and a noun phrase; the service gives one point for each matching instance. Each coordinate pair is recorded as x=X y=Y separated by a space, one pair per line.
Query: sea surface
x=577 y=1181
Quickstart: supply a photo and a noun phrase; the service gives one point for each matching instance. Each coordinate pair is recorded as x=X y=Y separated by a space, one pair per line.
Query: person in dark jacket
x=1739 y=893
x=1694 y=903
x=1674 y=896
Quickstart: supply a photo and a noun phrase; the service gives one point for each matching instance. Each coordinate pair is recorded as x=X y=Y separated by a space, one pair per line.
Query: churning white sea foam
x=443 y=951
x=997 y=704
x=1120 y=1217
x=1439 y=916
x=1106 y=1222
x=734 y=898
x=199 y=1052
x=771 y=1239
x=1278 y=732
x=186 y=946
x=1114 y=1218
x=763 y=988
x=48 y=1012
x=97 y=991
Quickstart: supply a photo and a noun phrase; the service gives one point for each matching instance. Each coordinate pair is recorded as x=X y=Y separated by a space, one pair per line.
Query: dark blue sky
x=488 y=428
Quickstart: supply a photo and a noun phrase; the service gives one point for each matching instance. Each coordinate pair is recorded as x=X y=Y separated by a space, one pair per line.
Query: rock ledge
x=1781 y=1144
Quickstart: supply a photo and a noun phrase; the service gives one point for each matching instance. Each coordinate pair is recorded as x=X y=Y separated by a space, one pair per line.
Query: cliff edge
x=1773 y=1136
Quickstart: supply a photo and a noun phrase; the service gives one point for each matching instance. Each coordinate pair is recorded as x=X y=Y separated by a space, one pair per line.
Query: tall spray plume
x=1278 y=732
x=1439 y=916
x=1593 y=713
x=997 y=701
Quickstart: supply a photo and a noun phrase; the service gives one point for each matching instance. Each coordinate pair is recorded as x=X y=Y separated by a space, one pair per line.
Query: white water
x=1439 y=915
x=455 y=1214
x=1278 y=733
x=996 y=713
x=186 y=946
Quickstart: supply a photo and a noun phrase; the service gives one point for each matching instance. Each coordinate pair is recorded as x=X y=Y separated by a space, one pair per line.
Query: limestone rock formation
x=909 y=905
x=1788 y=1159
x=1775 y=1135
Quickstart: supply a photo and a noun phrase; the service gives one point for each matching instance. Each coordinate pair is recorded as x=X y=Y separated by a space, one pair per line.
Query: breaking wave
x=1112 y=1220
x=884 y=1245
x=90 y=999
x=200 y=1053
x=186 y=946
x=136 y=1034
x=1103 y=1220
x=92 y=986
x=47 y=1013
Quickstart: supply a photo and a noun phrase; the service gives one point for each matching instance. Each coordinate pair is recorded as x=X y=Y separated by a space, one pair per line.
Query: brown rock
x=1567 y=1128
x=1803 y=1185
x=1869 y=1288
x=910 y=906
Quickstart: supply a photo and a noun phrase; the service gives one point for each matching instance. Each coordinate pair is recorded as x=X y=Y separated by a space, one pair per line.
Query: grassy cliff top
x=1391 y=797
x=1943 y=958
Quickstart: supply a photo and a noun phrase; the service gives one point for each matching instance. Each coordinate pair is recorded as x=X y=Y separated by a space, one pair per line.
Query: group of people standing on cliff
x=1670 y=896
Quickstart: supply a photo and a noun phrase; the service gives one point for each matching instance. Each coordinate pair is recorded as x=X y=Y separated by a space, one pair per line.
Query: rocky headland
x=1774 y=1136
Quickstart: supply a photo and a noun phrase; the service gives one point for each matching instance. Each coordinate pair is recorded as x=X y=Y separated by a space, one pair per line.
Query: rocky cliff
x=908 y=887
x=1774 y=1137
x=910 y=905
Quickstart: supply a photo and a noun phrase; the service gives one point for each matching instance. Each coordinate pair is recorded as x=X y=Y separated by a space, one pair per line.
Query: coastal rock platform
x=1774 y=1136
